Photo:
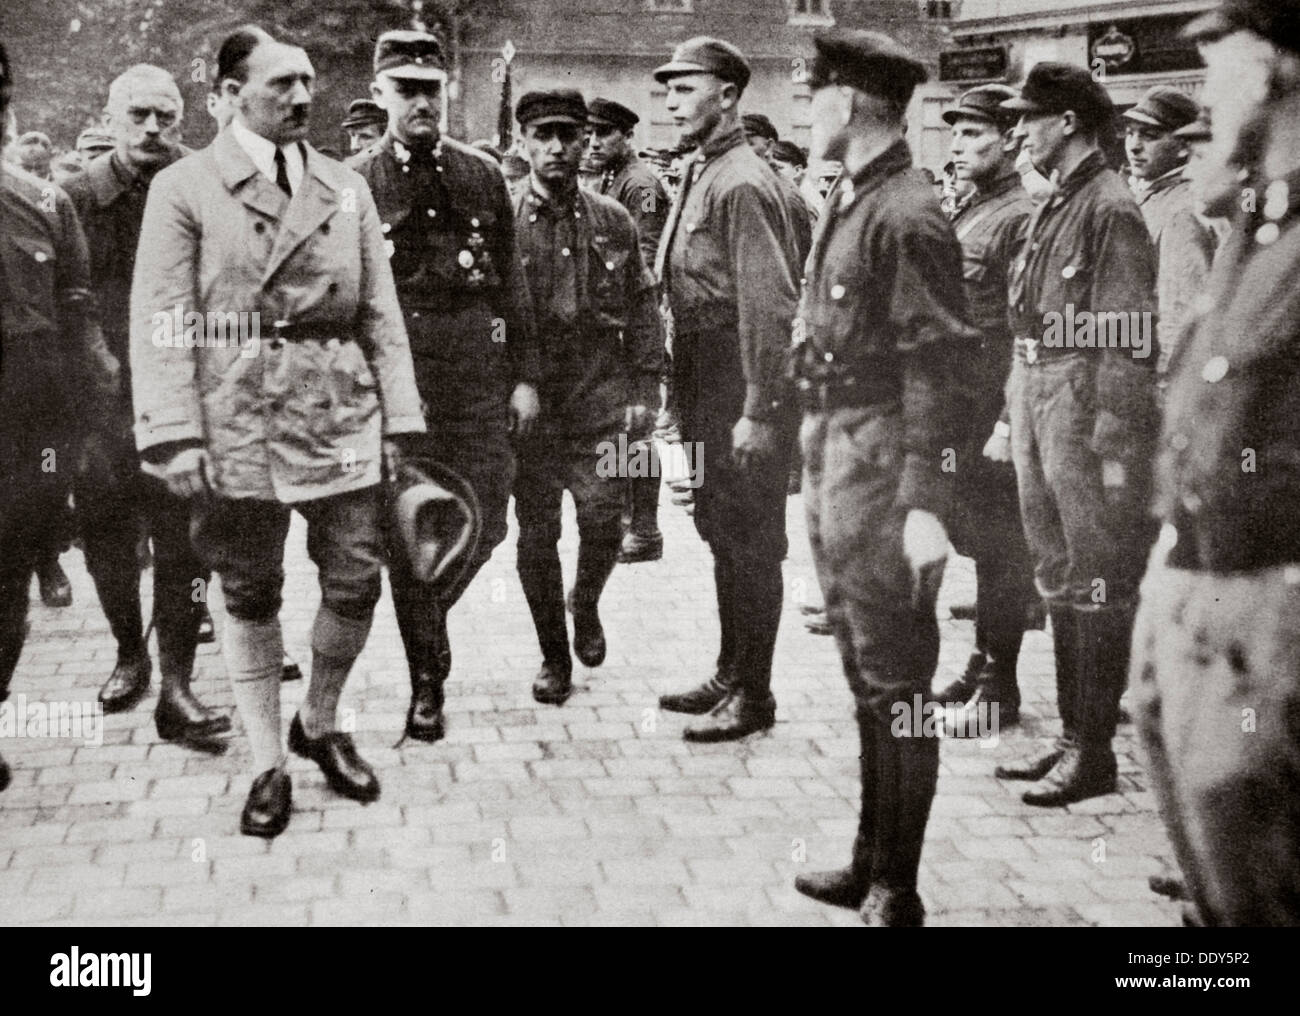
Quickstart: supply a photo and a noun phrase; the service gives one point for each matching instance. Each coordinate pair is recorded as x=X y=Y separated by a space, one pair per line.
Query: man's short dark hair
x=232 y=57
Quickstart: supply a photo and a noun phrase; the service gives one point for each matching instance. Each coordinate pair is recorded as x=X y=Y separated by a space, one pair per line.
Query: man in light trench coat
x=295 y=408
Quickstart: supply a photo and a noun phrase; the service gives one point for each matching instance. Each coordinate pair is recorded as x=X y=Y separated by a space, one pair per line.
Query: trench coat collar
x=311 y=205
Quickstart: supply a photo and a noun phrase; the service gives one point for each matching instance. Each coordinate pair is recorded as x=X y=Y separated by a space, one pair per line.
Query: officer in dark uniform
x=602 y=356
x=365 y=124
x=451 y=240
x=883 y=329
x=1216 y=662
x=58 y=382
x=761 y=135
x=144 y=113
x=630 y=182
x=730 y=268
x=1082 y=418
x=990 y=225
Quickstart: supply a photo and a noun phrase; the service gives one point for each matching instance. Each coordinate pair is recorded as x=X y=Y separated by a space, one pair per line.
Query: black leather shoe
x=977 y=717
x=127 y=684
x=553 y=685
x=636 y=548
x=588 y=636
x=56 y=590
x=1170 y=886
x=346 y=772
x=892 y=908
x=736 y=716
x=964 y=687
x=843 y=887
x=270 y=800
x=179 y=716
x=697 y=701
x=207 y=632
x=1035 y=768
x=4 y=774
x=424 y=720
x=290 y=671
x=1082 y=773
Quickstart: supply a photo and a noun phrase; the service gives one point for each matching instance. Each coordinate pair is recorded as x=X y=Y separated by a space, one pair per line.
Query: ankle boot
x=179 y=716
x=907 y=772
x=539 y=574
x=596 y=559
x=430 y=663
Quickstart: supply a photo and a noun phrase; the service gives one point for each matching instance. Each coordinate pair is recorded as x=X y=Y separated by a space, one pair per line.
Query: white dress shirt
x=262 y=152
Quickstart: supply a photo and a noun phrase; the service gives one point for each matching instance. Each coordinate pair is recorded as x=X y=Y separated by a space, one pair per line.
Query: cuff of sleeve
x=150 y=432
x=403 y=425
x=762 y=403
x=924 y=486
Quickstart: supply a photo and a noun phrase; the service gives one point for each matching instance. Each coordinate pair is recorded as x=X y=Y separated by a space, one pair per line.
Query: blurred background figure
x=365 y=124
x=94 y=142
x=34 y=152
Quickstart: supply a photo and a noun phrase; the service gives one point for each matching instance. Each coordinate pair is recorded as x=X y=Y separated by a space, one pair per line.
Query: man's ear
x=1069 y=123
x=729 y=96
x=230 y=88
x=376 y=92
x=1010 y=143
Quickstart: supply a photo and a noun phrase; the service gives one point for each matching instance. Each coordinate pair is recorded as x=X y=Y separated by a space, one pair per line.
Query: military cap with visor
x=1053 y=88
x=983 y=103
x=561 y=105
x=705 y=55
x=606 y=111
x=1164 y=108
x=410 y=54
x=364 y=113
x=868 y=61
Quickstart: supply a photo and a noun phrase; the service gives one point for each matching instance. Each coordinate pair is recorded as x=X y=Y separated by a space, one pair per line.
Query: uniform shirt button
x=432 y=213
x=406 y=169
x=385 y=227
x=1215 y=370
x=532 y=218
x=1180 y=442
x=472 y=222
x=609 y=265
x=837 y=292
x=564 y=251
x=1267 y=234
x=828 y=357
x=39 y=255
x=690 y=227
x=1068 y=272
x=260 y=227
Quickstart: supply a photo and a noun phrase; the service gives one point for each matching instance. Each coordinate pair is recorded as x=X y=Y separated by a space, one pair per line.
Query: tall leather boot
x=422 y=622
x=847 y=887
x=179 y=716
x=543 y=582
x=706 y=696
x=1088 y=767
x=643 y=541
x=995 y=703
x=596 y=559
x=111 y=561
x=907 y=772
x=749 y=706
x=1065 y=650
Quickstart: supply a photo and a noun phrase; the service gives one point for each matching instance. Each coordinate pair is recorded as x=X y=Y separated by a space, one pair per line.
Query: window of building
x=810 y=10
x=669 y=6
x=940 y=10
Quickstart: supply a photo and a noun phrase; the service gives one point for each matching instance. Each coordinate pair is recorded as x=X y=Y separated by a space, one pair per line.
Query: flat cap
x=757 y=123
x=788 y=151
x=35 y=138
x=363 y=112
x=705 y=55
x=613 y=113
x=561 y=104
x=1198 y=129
x=94 y=140
x=409 y=54
x=1278 y=21
x=1057 y=87
x=983 y=103
x=868 y=61
x=1164 y=107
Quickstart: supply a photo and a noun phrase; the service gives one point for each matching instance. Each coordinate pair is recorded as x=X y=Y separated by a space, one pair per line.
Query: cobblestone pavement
x=594 y=813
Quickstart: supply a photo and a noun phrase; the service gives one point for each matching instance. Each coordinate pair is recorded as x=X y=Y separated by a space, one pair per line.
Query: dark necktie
x=282 y=173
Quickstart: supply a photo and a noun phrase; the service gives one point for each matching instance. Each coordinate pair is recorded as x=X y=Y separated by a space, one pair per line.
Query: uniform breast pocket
x=30 y=264
x=607 y=275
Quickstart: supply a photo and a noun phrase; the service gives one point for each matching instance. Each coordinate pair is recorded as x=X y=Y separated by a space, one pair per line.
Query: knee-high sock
x=254 y=654
x=336 y=642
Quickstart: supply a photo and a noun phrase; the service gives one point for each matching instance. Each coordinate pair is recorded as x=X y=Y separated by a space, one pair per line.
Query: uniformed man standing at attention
x=1184 y=244
x=729 y=264
x=989 y=224
x=1083 y=418
x=883 y=329
x=611 y=149
x=1216 y=660
x=58 y=382
x=602 y=353
x=449 y=227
